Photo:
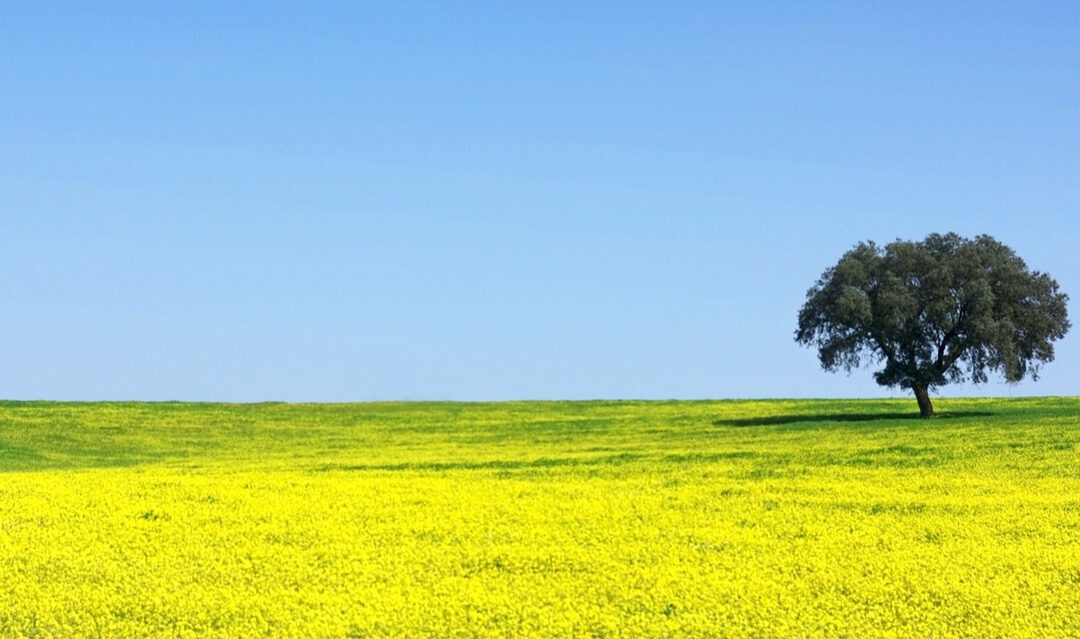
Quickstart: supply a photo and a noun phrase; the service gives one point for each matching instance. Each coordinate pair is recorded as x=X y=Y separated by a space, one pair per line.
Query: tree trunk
x=922 y=395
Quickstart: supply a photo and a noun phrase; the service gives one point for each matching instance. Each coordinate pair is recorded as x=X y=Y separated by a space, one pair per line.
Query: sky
x=320 y=201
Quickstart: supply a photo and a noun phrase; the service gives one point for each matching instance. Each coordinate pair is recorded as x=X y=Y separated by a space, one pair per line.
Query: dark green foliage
x=943 y=310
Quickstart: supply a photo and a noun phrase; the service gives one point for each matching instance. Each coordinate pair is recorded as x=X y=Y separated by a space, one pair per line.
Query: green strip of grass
x=528 y=435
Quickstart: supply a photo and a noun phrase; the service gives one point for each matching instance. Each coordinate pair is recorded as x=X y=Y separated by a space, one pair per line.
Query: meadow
x=548 y=519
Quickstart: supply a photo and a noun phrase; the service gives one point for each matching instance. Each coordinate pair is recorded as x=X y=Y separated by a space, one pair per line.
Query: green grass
x=760 y=436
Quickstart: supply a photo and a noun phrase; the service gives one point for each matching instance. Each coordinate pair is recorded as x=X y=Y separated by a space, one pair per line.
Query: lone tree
x=943 y=310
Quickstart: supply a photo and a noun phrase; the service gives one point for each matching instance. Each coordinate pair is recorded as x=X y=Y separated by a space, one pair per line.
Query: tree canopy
x=943 y=310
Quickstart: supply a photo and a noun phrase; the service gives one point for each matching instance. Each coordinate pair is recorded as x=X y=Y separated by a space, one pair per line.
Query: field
x=583 y=519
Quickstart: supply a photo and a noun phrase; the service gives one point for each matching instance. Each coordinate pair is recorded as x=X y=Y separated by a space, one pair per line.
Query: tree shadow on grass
x=784 y=420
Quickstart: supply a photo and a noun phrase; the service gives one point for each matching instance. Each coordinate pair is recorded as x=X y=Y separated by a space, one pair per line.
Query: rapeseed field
x=541 y=519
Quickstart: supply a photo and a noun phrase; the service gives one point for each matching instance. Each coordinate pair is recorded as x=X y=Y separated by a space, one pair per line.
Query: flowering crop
x=595 y=519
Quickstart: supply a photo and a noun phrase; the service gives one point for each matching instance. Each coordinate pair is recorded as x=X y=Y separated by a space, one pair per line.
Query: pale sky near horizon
x=338 y=201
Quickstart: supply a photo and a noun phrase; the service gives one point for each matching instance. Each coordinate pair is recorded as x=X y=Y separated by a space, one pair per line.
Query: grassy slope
x=52 y=435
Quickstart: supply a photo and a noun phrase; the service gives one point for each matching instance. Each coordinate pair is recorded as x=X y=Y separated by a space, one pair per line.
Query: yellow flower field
x=594 y=519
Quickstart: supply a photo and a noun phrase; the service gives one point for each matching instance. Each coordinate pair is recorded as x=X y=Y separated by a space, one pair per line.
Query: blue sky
x=247 y=201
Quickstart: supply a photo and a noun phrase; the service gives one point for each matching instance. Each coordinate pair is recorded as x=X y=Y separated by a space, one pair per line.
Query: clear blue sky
x=249 y=201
